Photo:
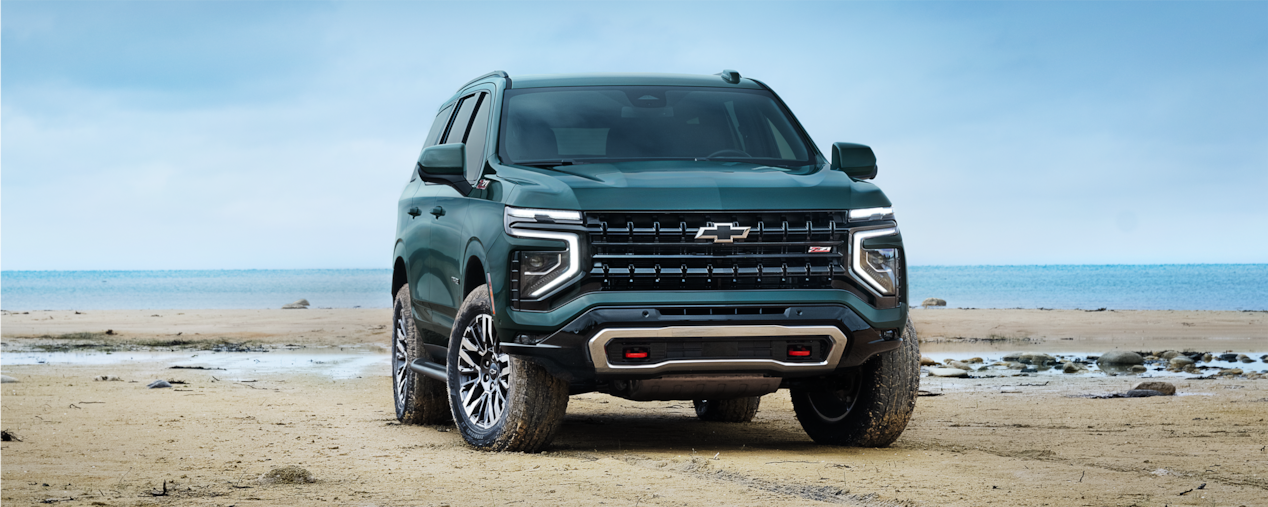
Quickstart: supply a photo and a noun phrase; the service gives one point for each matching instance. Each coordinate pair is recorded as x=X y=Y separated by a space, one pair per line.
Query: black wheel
x=499 y=402
x=868 y=407
x=419 y=399
x=732 y=410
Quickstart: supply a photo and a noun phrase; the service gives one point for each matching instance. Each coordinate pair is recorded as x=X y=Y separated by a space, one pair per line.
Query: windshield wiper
x=549 y=163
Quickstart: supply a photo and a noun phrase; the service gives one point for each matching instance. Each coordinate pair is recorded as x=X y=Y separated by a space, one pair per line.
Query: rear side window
x=475 y=139
x=461 y=121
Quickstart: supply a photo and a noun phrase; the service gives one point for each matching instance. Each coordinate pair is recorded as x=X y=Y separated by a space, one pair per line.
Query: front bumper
x=713 y=339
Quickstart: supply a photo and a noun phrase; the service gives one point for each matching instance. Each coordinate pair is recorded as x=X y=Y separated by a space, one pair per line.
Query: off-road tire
x=424 y=400
x=735 y=410
x=868 y=407
x=534 y=400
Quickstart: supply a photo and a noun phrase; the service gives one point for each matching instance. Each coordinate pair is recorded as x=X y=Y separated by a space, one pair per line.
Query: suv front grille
x=659 y=251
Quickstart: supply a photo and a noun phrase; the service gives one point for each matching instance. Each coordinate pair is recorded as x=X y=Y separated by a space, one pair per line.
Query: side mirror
x=442 y=160
x=856 y=160
x=445 y=164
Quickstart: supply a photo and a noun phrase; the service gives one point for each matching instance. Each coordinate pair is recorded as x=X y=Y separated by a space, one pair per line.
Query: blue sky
x=187 y=135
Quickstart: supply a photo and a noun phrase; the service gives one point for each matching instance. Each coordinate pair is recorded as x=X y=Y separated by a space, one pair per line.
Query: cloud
x=278 y=135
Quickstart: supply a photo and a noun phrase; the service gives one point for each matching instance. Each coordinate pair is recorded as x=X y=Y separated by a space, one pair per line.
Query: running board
x=430 y=369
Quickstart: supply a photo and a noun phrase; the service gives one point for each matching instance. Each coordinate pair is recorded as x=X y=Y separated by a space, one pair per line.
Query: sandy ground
x=986 y=441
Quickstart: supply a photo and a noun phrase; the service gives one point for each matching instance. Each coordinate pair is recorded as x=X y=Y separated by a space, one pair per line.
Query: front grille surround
x=658 y=251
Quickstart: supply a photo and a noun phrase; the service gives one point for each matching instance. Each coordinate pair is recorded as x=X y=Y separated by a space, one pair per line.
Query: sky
x=274 y=135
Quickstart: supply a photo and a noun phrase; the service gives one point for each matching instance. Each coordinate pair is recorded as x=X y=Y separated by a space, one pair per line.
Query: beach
x=255 y=390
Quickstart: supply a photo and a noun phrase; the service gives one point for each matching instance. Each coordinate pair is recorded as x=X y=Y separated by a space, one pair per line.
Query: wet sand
x=987 y=441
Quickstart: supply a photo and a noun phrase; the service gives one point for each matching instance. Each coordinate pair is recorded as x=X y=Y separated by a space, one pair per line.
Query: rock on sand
x=5 y=379
x=1181 y=361
x=1166 y=388
x=948 y=372
x=959 y=365
x=1121 y=357
x=933 y=302
x=287 y=475
x=1073 y=367
x=1036 y=358
x=298 y=305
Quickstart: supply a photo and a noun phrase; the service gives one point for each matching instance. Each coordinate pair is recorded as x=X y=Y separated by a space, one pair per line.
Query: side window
x=438 y=127
x=461 y=121
x=475 y=138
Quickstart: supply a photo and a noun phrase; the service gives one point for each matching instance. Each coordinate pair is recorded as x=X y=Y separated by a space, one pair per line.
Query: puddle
x=1157 y=369
x=235 y=365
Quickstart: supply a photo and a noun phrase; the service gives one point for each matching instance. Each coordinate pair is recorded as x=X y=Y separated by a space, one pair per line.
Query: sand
x=988 y=441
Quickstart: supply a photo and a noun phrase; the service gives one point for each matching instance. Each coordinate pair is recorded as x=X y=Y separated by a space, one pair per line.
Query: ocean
x=1116 y=287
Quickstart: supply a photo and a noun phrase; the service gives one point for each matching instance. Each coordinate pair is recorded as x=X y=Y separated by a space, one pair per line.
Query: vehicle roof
x=555 y=80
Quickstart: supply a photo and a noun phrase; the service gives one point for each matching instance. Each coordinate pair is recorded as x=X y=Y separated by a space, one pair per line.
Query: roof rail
x=497 y=73
x=730 y=76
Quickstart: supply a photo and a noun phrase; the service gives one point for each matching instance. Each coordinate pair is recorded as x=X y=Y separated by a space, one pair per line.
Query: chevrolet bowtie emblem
x=722 y=233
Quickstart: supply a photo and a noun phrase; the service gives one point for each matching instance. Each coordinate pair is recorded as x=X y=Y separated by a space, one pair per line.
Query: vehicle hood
x=684 y=185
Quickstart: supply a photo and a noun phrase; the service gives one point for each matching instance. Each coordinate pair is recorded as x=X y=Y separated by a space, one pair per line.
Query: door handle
x=438 y=211
x=415 y=212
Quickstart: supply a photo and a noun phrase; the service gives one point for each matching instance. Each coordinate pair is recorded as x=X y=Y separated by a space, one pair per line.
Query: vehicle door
x=415 y=230
x=448 y=213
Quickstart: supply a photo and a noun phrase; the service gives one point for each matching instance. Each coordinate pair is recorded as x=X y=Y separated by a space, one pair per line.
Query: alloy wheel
x=400 y=360
x=484 y=373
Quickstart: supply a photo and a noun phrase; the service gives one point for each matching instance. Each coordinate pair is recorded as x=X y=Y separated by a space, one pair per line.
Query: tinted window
x=475 y=139
x=462 y=120
x=438 y=127
x=610 y=123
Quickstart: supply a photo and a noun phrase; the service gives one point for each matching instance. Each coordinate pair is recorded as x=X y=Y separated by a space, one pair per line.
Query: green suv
x=653 y=237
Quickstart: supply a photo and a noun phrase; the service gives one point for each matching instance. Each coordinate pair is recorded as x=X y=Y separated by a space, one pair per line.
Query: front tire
x=499 y=402
x=868 y=407
x=418 y=398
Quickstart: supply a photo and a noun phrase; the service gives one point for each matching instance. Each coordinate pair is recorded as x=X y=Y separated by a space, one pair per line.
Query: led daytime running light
x=550 y=213
x=860 y=215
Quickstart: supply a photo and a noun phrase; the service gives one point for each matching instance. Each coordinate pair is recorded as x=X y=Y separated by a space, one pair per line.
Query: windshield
x=577 y=125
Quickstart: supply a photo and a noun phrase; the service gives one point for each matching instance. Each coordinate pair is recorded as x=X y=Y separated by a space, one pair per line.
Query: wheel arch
x=474 y=269
x=399 y=277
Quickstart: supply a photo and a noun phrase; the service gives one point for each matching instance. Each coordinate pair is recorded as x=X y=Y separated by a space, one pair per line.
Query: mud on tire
x=733 y=410
x=499 y=402
x=418 y=398
x=868 y=407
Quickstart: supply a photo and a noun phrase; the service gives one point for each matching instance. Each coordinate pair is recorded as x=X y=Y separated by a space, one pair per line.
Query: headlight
x=542 y=272
x=877 y=267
